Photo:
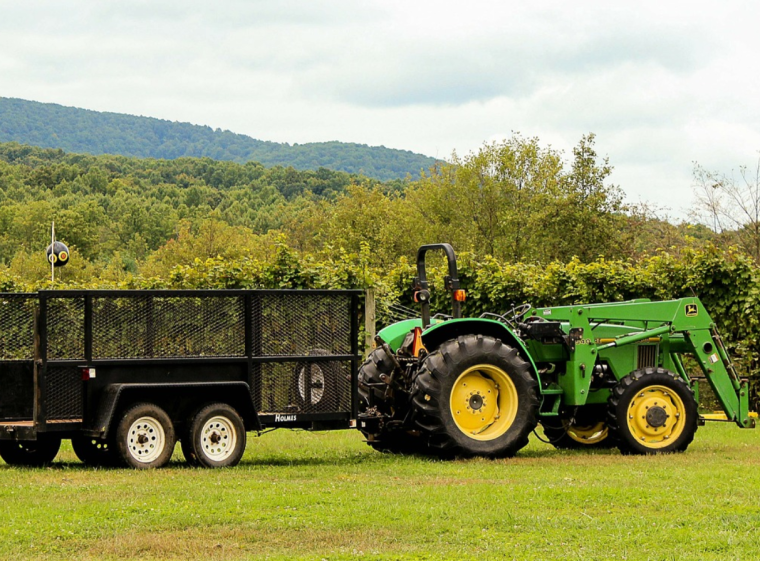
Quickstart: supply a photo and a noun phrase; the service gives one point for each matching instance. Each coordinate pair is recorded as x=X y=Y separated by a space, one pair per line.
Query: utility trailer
x=125 y=374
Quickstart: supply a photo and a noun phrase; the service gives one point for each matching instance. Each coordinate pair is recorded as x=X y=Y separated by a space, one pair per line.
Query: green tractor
x=593 y=375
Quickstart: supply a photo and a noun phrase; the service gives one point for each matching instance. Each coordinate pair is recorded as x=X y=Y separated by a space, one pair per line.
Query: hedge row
x=726 y=281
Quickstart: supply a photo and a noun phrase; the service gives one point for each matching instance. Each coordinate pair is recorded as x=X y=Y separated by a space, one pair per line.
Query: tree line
x=93 y=132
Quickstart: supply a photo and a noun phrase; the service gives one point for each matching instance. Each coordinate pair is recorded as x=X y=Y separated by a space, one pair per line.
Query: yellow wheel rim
x=656 y=416
x=484 y=402
x=587 y=434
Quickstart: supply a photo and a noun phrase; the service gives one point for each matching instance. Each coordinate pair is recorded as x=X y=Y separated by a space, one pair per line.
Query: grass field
x=328 y=496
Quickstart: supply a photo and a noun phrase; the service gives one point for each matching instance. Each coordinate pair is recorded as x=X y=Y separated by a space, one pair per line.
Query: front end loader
x=593 y=375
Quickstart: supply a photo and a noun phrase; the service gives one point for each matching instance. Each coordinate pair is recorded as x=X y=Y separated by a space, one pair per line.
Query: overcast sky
x=662 y=84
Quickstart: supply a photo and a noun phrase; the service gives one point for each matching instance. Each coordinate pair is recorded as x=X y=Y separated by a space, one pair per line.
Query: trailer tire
x=94 y=452
x=494 y=416
x=30 y=453
x=215 y=437
x=145 y=437
x=320 y=379
x=652 y=411
x=588 y=431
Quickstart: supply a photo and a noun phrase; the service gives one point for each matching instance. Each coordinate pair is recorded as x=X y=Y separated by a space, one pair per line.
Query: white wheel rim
x=317 y=383
x=146 y=440
x=218 y=438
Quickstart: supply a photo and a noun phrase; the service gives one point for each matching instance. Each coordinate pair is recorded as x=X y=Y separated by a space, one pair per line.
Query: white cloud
x=662 y=85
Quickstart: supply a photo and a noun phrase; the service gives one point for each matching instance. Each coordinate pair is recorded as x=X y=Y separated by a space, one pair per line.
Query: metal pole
x=369 y=320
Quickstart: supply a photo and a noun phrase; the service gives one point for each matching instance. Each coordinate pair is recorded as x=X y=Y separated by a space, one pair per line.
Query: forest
x=529 y=223
x=92 y=132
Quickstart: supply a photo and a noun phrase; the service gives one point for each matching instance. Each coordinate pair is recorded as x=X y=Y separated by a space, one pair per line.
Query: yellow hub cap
x=587 y=434
x=656 y=416
x=484 y=402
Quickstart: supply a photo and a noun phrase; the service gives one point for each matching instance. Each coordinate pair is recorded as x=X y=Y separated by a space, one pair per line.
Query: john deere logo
x=691 y=310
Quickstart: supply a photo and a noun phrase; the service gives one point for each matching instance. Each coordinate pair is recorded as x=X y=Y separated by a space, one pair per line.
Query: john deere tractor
x=593 y=375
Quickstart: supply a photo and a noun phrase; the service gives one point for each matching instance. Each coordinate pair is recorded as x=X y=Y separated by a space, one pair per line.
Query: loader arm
x=685 y=328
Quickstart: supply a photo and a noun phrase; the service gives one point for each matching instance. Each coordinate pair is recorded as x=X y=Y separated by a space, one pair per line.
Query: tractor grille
x=647 y=356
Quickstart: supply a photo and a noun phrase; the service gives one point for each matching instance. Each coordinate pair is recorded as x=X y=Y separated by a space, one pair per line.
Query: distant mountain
x=80 y=130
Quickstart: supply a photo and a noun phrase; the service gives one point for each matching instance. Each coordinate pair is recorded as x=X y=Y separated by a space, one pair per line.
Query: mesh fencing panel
x=17 y=326
x=303 y=387
x=168 y=327
x=297 y=324
x=64 y=393
x=65 y=328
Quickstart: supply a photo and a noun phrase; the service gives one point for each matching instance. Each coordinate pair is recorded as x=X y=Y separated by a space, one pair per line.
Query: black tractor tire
x=145 y=437
x=408 y=443
x=94 y=452
x=323 y=385
x=652 y=411
x=371 y=373
x=215 y=437
x=589 y=430
x=447 y=369
x=30 y=453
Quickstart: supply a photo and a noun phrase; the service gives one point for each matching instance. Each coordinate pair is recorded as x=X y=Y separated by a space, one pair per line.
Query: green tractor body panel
x=585 y=372
x=451 y=329
x=395 y=333
x=624 y=336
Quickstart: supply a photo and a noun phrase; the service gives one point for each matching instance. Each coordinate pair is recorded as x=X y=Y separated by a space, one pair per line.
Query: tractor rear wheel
x=652 y=411
x=476 y=396
x=372 y=375
x=399 y=442
x=583 y=429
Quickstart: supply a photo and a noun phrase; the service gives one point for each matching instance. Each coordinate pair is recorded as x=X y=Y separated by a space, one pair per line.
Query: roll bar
x=451 y=282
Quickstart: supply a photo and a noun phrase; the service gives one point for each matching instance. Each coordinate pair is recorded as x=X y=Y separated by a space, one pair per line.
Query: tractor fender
x=437 y=334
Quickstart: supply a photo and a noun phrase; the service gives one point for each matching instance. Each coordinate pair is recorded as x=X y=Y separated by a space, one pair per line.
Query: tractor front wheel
x=476 y=396
x=583 y=429
x=652 y=411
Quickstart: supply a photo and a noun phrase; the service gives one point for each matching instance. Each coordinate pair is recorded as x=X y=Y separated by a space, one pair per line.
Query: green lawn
x=328 y=496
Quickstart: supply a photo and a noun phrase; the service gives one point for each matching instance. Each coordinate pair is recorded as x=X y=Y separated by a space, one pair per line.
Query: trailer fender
x=237 y=394
x=434 y=336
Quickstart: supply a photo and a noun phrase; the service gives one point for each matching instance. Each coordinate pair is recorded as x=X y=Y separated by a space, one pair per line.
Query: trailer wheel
x=476 y=396
x=215 y=437
x=145 y=437
x=584 y=429
x=93 y=451
x=315 y=384
x=31 y=453
x=652 y=411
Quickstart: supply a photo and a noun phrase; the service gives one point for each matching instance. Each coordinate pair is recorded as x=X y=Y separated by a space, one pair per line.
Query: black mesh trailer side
x=297 y=350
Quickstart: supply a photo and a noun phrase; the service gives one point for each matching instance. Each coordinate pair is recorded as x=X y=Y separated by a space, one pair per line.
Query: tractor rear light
x=88 y=374
x=459 y=295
